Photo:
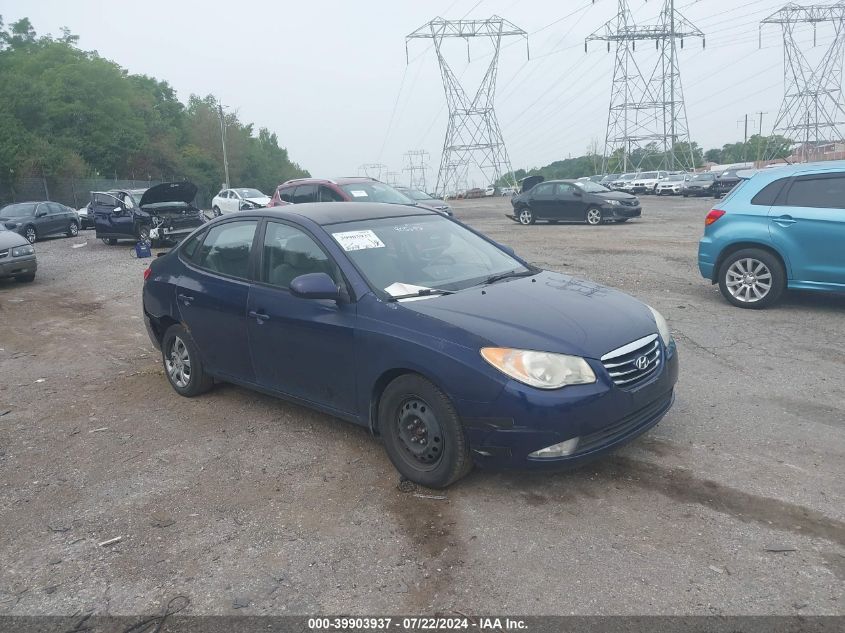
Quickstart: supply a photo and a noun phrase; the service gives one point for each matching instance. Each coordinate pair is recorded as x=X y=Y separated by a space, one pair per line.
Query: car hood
x=614 y=195
x=434 y=205
x=10 y=239
x=548 y=312
x=169 y=192
x=262 y=200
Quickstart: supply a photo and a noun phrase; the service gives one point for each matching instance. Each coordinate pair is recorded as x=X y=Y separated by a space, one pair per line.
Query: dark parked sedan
x=414 y=326
x=700 y=185
x=574 y=201
x=17 y=256
x=36 y=220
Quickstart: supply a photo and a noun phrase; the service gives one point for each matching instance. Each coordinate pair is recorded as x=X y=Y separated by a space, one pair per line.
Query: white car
x=671 y=185
x=231 y=200
x=508 y=191
x=490 y=191
x=647 y=181
x=86 y=220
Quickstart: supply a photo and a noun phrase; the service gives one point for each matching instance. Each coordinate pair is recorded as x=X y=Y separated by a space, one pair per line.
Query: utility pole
x=812 y=107
x=647 y=108
x=416 y=164
x=223 y=140
x=745 y=138
x=473 y=135
x=378 y=171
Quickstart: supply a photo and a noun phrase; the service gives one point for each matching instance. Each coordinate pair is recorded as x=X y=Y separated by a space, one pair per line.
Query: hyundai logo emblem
x=641 y=363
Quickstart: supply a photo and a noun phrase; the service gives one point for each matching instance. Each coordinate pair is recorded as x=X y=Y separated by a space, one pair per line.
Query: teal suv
x=781 y=229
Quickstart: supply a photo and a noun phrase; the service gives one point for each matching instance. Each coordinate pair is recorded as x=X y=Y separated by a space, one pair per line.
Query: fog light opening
x=558 y=450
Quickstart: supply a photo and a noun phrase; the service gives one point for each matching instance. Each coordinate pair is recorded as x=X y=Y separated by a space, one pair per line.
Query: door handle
x=258 y=316
x=186 y=299
x=784 y=220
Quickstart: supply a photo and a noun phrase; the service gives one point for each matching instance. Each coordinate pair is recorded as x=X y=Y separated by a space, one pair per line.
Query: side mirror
x=577 y=192
x=118 y=210
x=314 y=286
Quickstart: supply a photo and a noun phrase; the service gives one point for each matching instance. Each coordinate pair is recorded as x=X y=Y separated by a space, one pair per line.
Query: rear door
x=300 y=347
x=212 y=297
x=808 y=224
x=543 y=201
x=56 y=218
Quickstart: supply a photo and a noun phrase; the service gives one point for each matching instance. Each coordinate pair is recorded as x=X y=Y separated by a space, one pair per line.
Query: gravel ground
x=246 y=504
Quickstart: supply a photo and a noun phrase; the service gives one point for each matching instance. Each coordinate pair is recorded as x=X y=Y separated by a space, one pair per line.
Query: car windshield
x=415 y=194
x=649 y=175
x=591 y=187
x=250 y=193
x=375 y=192
x=17 y=210
x=400 y=256
x=628 y=176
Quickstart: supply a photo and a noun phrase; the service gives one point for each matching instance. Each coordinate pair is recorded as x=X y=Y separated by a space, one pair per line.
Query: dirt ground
x=734 y=504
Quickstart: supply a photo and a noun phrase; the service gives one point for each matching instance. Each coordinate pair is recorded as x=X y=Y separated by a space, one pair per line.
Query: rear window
x=767 y=195
x=822 y=192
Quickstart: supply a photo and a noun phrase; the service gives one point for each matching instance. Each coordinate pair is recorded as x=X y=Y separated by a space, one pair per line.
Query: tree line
x=69 y=113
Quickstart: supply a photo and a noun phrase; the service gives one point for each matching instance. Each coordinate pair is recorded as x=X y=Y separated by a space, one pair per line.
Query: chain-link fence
x=74 y=192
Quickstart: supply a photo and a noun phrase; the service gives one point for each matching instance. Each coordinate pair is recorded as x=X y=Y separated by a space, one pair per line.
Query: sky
x=330 y=77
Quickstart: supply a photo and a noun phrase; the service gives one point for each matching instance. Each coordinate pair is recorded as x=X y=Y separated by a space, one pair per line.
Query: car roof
x=324 y=213
x=346 y=180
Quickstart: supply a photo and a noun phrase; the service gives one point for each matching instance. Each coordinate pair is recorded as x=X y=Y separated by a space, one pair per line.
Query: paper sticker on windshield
x=357 y=193
x=358 y=240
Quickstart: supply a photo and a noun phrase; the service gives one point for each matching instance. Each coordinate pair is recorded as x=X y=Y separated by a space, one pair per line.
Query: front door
x=571 y=205
x=212 y=298
x=300 y=347
x=808 y=224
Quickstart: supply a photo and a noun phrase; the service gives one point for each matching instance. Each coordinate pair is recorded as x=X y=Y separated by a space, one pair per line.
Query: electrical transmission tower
x=373 y=170
x=473 y=135
x=416 y=164
x=393 y=178
x=647 y=118
x=812 y=112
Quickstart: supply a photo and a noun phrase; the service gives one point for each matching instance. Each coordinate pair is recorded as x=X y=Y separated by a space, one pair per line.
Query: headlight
x=614 y=203
x=543 y=370
x=662 y=326
x=20 y=251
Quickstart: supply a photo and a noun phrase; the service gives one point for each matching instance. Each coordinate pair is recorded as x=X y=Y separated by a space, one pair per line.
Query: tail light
x=147 y=272
x=714 y=215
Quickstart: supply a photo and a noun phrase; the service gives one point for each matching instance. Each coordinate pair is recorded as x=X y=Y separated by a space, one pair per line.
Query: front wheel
x=109 y=241
x=72 y=229
x=25 y=278
x=593 y=216
x=216 y=212
x=752 y=278
x=526 y=216
x=182 y=363
x=422 y=433
x=144 y=235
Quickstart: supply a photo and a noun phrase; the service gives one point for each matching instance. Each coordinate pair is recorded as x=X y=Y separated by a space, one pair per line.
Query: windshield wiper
x=425 y=292
x=507 y=275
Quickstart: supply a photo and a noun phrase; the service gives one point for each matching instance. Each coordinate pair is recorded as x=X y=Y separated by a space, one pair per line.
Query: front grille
x=632 y=363
x=627 y=425
x=4 y=253
x=630 y=203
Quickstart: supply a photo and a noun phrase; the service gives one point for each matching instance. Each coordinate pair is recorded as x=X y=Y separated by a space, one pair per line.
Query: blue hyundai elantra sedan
x=445 y=344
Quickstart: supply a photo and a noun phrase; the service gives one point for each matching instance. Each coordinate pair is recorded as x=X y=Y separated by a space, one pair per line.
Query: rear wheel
x=110 y=241
x=25 y=278
x=422 y=433
x=144 y=235
x=593 y=216
x=30 y=234
x=752 y=278
x=526 y=216
x=72 y=229
x=216 y=211
x=182 y=363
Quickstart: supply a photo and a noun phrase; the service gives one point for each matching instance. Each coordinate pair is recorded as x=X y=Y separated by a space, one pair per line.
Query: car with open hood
x=416 y=327
x=17 y=256
x=162 y=213
x=573 y=201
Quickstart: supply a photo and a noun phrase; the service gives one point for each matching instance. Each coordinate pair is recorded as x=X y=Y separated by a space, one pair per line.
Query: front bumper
x=621 y=211
x=503 y=433
x=14 y=266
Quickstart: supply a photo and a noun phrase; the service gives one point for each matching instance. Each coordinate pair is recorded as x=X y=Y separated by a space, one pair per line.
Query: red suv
x=357 y=189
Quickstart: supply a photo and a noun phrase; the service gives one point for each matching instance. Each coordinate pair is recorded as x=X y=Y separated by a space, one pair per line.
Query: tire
x=526 y=216
x=30 y=234
x=685 y=195
x=72 y=229
x=593 y=216
x=752 y=278
x=216 y=212
x=178 y=354
x=433 y=452
x=109 y=241
x=25 y=278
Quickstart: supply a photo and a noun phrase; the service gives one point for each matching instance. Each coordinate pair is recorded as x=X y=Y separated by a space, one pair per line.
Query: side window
x=821 y=192
x=224 y=194
x=305 y=193
x=543 y=189
x=564 y=188
x=189 y=248
x=105 y=200
x=286 y=194
x=226 y=248
x=54 y=209
x=329 y=195
x=767 y=196
x=289 y=253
